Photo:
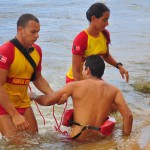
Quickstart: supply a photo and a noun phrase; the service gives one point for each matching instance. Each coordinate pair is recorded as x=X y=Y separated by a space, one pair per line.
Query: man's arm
x=18 y=120
x=55 y=97
x=41 y=84
x=125 y=112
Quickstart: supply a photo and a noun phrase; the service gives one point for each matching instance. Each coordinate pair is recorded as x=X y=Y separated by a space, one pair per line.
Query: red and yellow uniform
x=19 y=72
x=86 y=45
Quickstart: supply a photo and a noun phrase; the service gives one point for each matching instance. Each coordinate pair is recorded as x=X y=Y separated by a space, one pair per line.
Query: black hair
x=96 y=65
x=97 y=10
x=25 y=18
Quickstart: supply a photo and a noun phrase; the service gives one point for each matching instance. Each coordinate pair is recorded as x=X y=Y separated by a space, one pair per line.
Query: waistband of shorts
x=20 y=111
x=69 y=79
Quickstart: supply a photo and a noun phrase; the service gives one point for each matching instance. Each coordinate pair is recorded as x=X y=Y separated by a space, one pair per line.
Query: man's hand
x=63 y=99
x=20 y=122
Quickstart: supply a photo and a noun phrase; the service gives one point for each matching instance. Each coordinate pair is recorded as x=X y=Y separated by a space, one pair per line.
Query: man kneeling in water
x=92 y=100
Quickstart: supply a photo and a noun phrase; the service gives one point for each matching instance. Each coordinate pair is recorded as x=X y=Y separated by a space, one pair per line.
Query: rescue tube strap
x=58 y=125
x=84 y=128
x=106 y=128
x=76 y=136
x=26 y=55
x=87 y=126
x=38 y=108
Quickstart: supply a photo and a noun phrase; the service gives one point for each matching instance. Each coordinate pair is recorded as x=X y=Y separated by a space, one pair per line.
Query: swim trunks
x=69 y=79
x=106 y=128
x=20 y=110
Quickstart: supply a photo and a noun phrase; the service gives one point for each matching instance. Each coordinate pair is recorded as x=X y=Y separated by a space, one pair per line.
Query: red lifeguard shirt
x=84 y=44
x=19 y=71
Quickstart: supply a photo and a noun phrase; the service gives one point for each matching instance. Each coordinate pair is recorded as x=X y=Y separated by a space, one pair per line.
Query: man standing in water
x=16 y=114
x=92 y=100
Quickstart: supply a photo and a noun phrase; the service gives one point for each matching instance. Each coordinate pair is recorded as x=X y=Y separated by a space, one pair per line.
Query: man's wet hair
x=97 y=10
x=25 y=18
x=96 y=65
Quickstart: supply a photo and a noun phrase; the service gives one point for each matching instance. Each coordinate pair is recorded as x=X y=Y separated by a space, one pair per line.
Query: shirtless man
x=92 y=99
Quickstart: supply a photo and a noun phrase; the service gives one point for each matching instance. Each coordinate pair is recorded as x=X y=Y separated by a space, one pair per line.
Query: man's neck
x=92 y=77
x=27 y=46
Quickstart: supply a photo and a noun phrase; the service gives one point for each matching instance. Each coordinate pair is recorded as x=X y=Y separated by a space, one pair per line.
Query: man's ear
x=88 y=71
x=20 y=29
x=93 y=18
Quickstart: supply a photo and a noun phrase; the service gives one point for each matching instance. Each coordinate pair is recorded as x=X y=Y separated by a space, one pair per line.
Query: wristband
x=117 y=65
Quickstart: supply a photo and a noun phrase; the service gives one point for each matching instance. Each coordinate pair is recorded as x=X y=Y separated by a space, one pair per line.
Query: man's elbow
x=49 y=102
x=43 y=100
x=46 y=103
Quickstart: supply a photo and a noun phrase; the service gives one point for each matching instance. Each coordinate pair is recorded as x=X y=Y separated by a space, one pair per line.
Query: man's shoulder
x=7 y=51
x=112 y=87
x=7 y=46
x=109 y=84
x=77 y=83
x=38 y=48
x=74 y=83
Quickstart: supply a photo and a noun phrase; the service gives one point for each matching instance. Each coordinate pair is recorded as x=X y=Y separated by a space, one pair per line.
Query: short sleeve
x=39 y=66
x=80 y=43
x=6 y=55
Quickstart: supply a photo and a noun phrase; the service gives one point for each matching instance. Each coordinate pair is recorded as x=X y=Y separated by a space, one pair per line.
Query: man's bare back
x=92 y=102
x=92 y=99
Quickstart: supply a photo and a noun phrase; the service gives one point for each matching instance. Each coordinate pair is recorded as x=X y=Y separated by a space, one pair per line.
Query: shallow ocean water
x=129 y=26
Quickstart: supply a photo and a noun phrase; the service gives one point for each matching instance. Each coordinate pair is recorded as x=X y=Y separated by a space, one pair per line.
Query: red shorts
x=68 y=79
x=71 y=80
x=4 y=112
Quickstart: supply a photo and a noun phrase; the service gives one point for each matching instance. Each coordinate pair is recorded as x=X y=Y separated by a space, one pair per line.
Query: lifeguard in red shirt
x=92 y=41
x=16 y=114
x=19 y=74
